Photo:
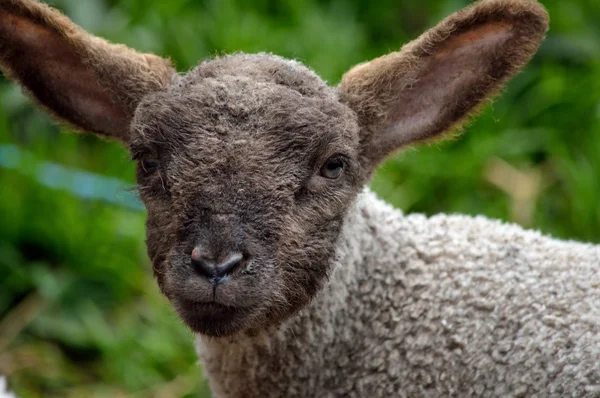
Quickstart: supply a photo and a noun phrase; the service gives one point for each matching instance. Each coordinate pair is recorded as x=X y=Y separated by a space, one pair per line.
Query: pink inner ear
x=490 y=32
x=429 y=103
x=52 y=69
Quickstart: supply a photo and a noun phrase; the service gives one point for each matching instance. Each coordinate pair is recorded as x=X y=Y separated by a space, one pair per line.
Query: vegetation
x=80 y=315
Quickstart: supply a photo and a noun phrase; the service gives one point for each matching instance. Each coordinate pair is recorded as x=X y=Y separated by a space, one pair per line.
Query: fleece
x=442 y=306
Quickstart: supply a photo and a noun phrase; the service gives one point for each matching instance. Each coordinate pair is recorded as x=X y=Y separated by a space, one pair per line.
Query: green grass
x=80 y=315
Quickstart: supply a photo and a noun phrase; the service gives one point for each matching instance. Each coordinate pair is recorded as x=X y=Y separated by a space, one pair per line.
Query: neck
x=245 y=365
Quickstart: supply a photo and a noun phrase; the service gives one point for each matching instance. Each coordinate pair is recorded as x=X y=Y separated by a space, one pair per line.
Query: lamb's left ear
x=434 y=82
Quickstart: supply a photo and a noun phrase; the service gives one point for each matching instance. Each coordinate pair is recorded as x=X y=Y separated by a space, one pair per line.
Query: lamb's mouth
x=211 y=318
x=207 y=308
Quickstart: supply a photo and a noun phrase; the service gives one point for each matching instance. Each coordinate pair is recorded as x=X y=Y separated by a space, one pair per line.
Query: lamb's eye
x=333 y=168
x=149 y=165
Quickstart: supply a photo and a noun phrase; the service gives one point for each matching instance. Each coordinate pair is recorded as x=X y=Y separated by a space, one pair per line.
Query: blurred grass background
x=80 y=315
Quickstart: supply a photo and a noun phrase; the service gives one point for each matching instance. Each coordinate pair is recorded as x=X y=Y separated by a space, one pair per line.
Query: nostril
x=209 y=269
x=229 y=264
x=203 y=267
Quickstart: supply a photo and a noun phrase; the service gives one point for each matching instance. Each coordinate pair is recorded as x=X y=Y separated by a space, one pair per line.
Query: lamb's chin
x=212 y=319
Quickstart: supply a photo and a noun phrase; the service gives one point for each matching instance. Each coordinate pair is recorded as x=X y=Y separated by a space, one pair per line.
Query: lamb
x=296 y=279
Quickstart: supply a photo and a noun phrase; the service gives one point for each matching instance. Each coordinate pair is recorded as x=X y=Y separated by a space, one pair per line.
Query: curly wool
x=430 y=307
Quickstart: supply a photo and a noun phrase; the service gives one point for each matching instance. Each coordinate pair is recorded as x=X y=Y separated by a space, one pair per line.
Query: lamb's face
x=247 y=167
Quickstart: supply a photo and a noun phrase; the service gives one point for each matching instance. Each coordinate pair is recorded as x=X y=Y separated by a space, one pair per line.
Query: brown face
x=246 y=180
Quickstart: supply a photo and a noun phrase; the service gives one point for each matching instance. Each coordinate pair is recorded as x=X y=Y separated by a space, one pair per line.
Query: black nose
x=213 y=271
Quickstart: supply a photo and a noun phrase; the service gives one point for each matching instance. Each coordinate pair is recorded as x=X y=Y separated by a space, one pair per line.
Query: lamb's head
x=248 y=164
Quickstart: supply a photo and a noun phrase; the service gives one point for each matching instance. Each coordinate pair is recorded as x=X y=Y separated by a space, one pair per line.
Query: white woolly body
x=425 y=307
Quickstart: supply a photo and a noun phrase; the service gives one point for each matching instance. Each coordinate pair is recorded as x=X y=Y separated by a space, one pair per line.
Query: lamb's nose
x=216 y=273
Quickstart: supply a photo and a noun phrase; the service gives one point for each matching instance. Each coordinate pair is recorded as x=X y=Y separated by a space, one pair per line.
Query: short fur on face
x=255 y=154
x=240 y=141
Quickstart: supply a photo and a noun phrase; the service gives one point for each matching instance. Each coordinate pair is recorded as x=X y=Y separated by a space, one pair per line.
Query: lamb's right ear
x=83 y=80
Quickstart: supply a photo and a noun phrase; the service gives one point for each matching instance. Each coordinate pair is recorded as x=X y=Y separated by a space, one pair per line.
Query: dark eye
x=333 y=168
x=149 y=165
